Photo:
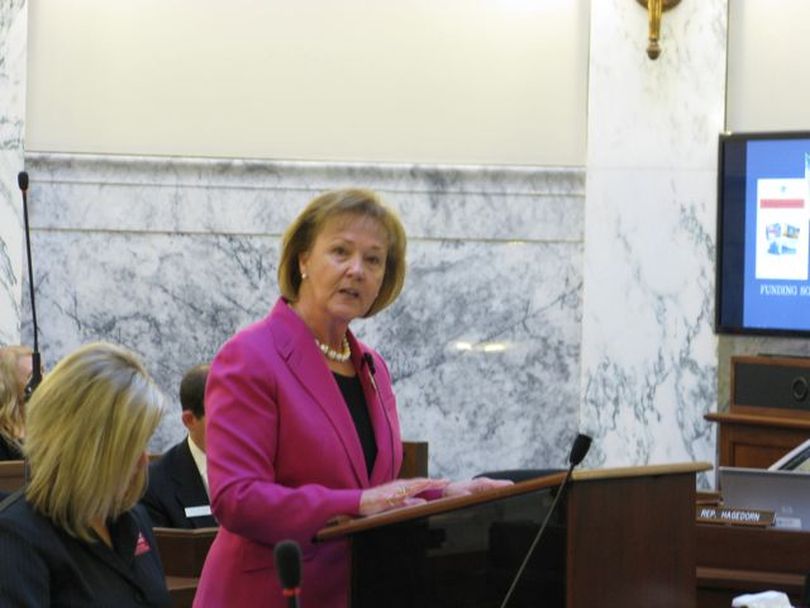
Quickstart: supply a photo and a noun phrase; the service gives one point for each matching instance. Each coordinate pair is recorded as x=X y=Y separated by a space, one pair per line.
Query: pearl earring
x=303 y=276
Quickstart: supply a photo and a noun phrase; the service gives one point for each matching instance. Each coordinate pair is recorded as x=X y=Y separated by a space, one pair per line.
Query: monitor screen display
x=763 y=257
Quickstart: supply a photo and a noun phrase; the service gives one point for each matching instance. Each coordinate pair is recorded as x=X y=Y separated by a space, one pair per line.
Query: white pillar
x=648 y=350
x=13 y=40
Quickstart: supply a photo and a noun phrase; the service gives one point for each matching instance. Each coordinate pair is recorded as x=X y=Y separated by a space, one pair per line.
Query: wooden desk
x=12 y=475
x=765 y=418
x=755 y=440
x=183 y=552
x=182 y=590
x=717 y=587
x=733 y=560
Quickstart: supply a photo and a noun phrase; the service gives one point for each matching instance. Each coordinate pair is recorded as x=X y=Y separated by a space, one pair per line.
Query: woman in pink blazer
x=301 y=419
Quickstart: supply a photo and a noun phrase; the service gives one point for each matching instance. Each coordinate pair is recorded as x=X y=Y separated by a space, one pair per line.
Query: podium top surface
x=443 y=505
x=645 y=471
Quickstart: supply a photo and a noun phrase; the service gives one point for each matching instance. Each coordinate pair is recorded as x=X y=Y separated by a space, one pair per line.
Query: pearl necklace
x=331 y=353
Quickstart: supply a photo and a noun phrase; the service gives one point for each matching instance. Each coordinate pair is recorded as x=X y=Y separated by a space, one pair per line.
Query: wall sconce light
x=655 y=9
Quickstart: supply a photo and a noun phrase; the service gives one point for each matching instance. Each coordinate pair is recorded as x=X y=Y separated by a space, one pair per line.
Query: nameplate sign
x=200 y=511
x=735 y=517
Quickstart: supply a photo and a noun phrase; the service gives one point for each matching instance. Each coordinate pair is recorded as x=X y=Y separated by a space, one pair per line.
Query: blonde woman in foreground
x=74 y=535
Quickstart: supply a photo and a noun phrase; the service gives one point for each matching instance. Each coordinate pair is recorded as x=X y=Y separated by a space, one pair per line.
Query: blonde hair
x=301 y=234
x=88 y=424
x=11 y=393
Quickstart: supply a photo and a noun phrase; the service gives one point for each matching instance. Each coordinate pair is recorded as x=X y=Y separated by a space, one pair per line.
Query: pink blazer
x=284 y=458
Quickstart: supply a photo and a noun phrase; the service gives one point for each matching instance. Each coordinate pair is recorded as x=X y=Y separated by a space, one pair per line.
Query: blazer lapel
x=113 y=558
x=296 y=345
x=384 y=464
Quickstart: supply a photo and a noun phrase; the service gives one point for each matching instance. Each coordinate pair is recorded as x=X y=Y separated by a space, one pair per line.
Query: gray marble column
x=13 y=39
x=648 y=350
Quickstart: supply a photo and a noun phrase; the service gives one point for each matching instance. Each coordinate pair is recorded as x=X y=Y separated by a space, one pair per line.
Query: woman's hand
x=397 y=493
x=474 y=486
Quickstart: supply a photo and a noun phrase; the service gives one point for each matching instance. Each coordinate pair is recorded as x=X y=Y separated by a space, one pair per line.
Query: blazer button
x=139 y=597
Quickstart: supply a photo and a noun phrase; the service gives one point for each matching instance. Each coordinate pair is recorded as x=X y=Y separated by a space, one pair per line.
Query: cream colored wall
x=431 y=81
x=768 y=87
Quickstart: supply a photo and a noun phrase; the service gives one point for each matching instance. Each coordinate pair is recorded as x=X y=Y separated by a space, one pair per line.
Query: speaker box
x=779 y=383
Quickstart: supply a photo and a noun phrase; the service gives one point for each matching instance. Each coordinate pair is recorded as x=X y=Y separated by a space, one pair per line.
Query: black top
x=8 y=451
x=174 y=486
x=352 y=391
x=42 y=565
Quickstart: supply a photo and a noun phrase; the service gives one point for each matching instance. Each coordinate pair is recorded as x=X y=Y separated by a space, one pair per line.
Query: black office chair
x=517 y=475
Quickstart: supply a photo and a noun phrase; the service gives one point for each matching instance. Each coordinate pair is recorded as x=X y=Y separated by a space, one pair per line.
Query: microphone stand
x=36 y=364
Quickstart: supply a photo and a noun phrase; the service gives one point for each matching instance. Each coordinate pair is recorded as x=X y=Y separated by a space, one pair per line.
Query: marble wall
x=648 y=350
x=13 y=39
x=169 y=256
x=528 y=313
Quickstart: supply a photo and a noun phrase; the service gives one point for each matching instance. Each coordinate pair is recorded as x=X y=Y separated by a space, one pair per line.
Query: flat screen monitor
x=763 y=221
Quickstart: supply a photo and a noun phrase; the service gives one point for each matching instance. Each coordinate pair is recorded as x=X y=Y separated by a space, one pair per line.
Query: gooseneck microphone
x=578 y=452
x=36 y=364
x=287 y=555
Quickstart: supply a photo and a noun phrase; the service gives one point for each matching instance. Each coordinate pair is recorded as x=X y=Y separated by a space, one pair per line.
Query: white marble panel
x=13 y=38
x=154 y=194
x=648 y=350
x=649 y=301
x=483 y=346
x=179 y=272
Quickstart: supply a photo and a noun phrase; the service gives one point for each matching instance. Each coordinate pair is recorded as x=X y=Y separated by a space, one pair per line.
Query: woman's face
x=345 y=268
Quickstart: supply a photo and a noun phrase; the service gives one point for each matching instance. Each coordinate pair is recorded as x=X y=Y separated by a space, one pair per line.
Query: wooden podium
x=621 y=537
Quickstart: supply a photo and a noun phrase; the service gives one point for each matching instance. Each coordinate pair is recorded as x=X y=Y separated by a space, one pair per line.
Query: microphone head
x=580 y=449
x=287 y=555
x=22 y=180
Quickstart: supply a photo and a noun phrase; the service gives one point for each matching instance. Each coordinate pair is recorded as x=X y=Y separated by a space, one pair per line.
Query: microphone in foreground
x=287 y=555
x=36 y=363
x=579 y=450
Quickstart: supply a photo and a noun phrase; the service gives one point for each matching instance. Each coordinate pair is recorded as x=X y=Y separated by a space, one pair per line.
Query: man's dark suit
x=174 y=485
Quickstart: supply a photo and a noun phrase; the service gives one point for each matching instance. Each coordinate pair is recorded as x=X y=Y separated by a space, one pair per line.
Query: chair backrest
x=12 y=475
x=414 y=459
x=520 y=474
